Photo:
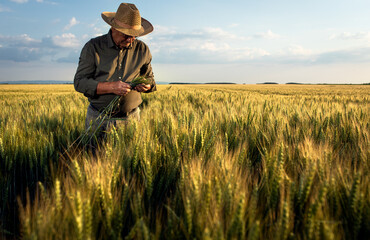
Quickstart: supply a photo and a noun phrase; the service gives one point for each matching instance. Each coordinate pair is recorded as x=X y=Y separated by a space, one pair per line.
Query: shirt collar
x=111 y=43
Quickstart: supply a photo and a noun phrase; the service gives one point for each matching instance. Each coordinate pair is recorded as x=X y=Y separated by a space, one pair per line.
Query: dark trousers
x=95 y=125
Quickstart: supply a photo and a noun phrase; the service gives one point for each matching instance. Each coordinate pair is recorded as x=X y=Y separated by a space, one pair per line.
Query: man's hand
x=118 y=88
x=143 y=87
x=121 y=88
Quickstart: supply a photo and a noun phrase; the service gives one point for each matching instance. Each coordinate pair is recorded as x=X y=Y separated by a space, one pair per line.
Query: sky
x=240 y=41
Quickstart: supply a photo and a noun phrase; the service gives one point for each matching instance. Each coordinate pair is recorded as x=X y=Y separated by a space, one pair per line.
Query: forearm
x=147 y=71
x=117 y=87
x=105 y=88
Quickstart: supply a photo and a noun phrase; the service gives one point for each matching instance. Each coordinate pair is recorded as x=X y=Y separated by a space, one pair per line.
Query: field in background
x=205 y=162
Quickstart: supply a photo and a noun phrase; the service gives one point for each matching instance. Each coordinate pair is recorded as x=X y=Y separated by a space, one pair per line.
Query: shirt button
x=120 y=78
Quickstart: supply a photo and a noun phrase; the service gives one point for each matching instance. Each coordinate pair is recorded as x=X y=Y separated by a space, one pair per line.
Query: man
x=110 y=62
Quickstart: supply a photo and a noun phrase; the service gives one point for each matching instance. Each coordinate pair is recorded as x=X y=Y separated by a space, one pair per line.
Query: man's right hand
x=118 y=88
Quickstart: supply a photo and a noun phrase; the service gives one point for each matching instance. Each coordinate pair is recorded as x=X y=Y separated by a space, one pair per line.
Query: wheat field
x=204 y=162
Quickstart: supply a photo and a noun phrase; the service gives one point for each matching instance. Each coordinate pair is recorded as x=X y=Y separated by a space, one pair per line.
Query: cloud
x=97 y=31
x=171 y=46
x=19 y=1
x=206 y=45
x=357 y=55
x=267 y=35
x=71 y=23
x=234 y=25
x=72 y=57
x=48 y=2
x=293 y=54
x=298 y=55
x=23 y=40
x=23 y=48
x=216 y=45
x=352 y=36
x=97 y=27
x=19 y=54
x=168 y=33
x=4 y=9
x=66 y=40
x=297 y=50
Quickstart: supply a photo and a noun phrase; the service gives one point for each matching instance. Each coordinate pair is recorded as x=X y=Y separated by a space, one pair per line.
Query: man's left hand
x=143 y=87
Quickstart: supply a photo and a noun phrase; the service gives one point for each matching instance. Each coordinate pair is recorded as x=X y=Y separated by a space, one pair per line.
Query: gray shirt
x=102 y=61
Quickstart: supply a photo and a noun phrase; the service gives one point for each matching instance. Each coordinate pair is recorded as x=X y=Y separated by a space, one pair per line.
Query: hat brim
x=146 y=26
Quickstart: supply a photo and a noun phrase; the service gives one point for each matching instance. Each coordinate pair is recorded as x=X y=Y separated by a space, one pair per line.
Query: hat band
x=124 y=25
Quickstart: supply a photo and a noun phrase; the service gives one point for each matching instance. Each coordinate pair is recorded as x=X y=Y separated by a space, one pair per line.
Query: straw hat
x=128 y=21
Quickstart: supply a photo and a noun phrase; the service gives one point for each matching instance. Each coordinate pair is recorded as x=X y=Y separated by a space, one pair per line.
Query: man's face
x=121 y=40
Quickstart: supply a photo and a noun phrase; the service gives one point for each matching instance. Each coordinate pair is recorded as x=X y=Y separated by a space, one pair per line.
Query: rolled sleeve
x=84 y=81
x=146 y=70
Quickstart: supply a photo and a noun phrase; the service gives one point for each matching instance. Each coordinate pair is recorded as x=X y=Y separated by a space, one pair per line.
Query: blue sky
x=242 y=41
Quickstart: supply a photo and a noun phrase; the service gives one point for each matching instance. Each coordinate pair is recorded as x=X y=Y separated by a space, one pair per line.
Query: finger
x=124 y=85
x=143 y=86
x=138 y=88
x=125 y=91
x=144 y=89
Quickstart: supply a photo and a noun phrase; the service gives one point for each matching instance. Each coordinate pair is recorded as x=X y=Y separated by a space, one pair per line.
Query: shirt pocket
x=106 y=69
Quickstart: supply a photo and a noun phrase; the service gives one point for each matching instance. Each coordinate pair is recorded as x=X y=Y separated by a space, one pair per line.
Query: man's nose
x=131 y=38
